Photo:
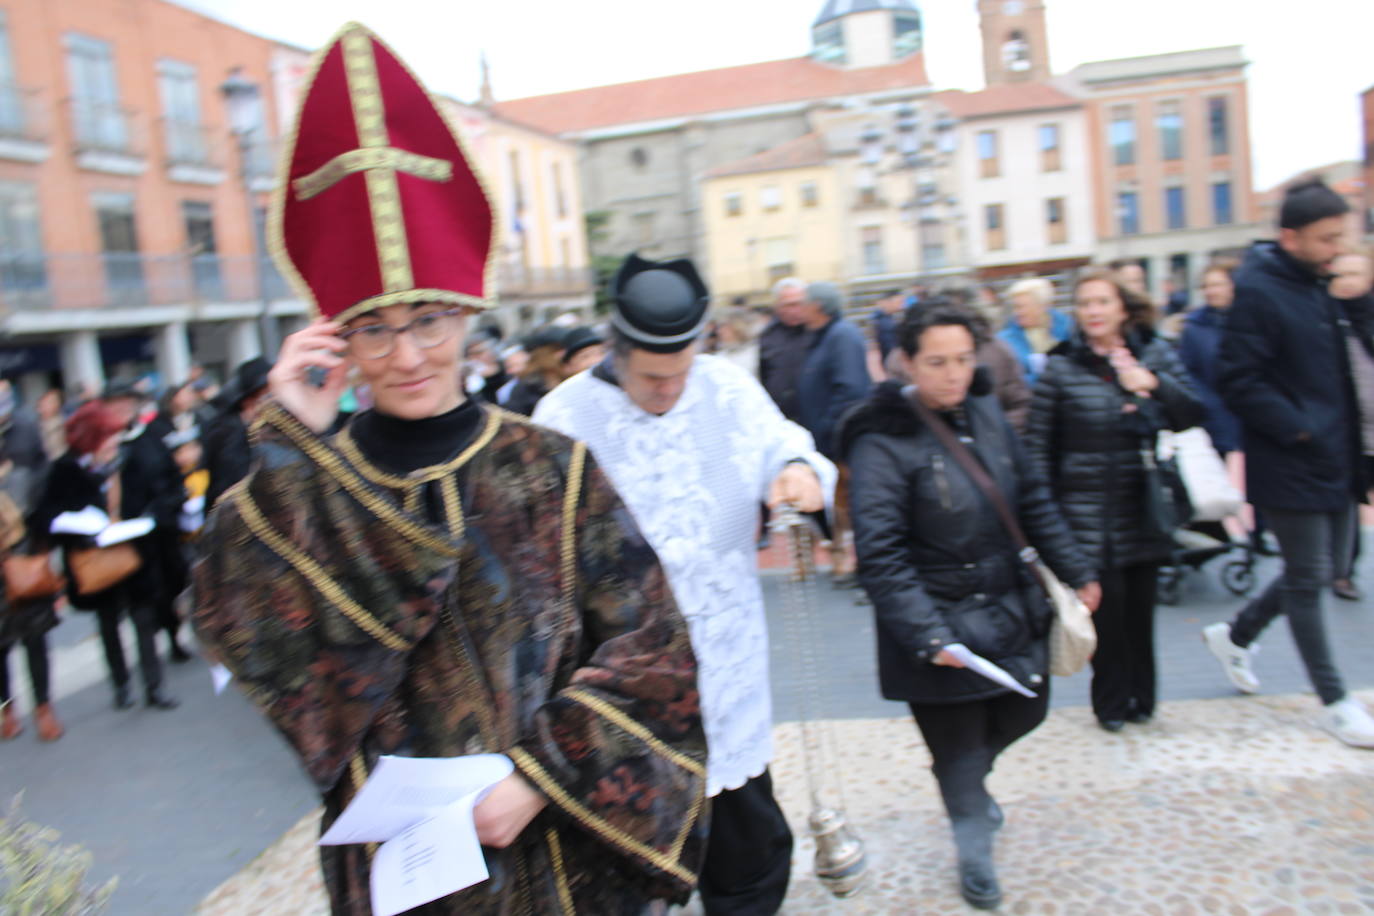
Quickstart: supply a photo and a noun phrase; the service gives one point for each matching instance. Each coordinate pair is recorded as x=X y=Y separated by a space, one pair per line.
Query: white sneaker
x=1234 y=659
x=1349 y=721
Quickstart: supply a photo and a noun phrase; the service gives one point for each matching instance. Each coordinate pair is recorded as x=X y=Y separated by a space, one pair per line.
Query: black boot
x=178 y=654
x=977 y=875
x=123 y=698
x=156 y=699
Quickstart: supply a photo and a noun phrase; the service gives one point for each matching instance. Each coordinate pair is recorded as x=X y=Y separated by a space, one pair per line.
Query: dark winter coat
x=1087 y=443
x=526 y=395
x=151 y=485
x=833 y=379
x=1198 y=348
x=782 y=353
x=1285 y=373
x=70 y=487
x=934 y=556
x=228 y=455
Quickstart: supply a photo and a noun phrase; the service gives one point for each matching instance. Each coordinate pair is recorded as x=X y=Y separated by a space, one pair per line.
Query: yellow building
x=773 y=215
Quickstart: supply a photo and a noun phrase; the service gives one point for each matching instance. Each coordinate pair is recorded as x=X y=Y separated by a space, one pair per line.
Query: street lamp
x=920 y=146
x=243 y=103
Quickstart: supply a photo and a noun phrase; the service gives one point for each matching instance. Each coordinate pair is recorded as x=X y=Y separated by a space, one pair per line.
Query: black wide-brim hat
x=660 y=306
x=580 y=339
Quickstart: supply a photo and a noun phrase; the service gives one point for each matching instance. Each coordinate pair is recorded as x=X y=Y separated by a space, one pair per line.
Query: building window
x=200 y=242
x=1016 y=53
x=114 y=214
x=871 y=240
x=560 y=200
x=1049 y=148
x=96 y=116
x=1169 y=123
x=810 y=194
x=734 y=203
x=780 y=256
x=906 y=34
x=987 y=154
x=22 y=267
x=11 y=99
x=1175 y=212
x=1219 y=125
x=770 y=198
x=646 y=233
x=933 y=256
x=827 y=43
x=1128 y=213
x=1221 y=204
x=517 y=187
x=1122 y=135
x=1056 y=221
x=995 y=225
x=181 y=113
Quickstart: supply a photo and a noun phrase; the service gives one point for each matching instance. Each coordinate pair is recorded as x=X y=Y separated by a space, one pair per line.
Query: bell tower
x=1015 y=42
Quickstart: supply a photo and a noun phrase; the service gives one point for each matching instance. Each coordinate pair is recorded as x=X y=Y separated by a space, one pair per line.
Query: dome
x=834 y=9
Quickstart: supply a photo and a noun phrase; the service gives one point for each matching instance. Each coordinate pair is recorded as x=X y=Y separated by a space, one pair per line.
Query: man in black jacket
x=1284 y=371
x=783 y=346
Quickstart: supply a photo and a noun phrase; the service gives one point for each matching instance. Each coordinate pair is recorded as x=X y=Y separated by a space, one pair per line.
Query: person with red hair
x=87 y=476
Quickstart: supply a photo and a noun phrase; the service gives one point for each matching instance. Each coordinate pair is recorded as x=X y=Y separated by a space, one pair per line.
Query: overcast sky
x=1308 y=65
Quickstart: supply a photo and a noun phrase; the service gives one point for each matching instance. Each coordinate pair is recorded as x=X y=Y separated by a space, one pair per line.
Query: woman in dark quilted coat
x=1105 y=394
x=942 y=571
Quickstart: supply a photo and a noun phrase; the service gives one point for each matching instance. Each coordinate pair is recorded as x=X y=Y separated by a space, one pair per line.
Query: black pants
x=36 y=648
x=748 y=852
x=1124 y=664
x=964 y=740
x=145 y=626
x=1308 y=541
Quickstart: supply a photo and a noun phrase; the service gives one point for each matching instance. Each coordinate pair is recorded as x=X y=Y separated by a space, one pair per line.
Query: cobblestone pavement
x=1233 y=806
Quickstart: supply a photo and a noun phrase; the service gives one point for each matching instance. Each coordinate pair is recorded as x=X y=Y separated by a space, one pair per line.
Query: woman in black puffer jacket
x=1104 y=395
x=941 y=570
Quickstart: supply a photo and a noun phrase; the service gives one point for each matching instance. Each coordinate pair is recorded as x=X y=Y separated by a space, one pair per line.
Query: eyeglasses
x=373 y=341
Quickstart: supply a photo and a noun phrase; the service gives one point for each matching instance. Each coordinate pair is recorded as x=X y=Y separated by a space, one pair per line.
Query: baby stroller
x=1212 y=498
x=1197 y=545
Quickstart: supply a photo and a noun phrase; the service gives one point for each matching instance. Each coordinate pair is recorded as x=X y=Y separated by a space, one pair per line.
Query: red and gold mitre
x=378 y=204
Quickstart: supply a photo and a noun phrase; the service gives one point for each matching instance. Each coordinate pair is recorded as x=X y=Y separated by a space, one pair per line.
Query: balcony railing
x=99 y=127
x=191 y=145
x=131 y=280
x=545 y=281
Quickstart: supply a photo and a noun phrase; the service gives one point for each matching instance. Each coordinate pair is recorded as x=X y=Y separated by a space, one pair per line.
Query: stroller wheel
x=1170 y=585
x=1239 y=577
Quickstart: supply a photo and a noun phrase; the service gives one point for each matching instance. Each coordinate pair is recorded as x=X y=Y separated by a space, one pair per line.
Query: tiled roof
x=805 y=150
x=1006 y=99
x=797 y=79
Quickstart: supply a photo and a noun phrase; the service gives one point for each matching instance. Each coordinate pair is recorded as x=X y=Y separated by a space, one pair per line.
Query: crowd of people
x=408 y=536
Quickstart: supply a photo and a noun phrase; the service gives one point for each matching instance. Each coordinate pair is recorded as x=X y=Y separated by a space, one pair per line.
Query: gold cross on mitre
x=378 y=161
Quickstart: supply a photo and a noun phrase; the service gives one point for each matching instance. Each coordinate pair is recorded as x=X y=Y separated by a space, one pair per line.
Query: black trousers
x=964 y=740
x=1124 y=664
x=748 y=852
x=36 y=648
x=145 y=626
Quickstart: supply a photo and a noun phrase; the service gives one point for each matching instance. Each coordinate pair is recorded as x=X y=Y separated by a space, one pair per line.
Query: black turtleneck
x=402 y=446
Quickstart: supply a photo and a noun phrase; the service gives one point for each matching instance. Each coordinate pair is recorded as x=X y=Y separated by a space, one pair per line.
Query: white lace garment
x=694 y=479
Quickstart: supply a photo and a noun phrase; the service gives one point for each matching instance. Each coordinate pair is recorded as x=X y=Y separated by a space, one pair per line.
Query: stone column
x=81 y=363
x=173 y=353
x=243 y=342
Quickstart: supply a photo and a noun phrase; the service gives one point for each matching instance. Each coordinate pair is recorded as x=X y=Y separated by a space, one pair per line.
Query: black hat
x=120 y=388
x=580 y=339
x=549 y=335
x=660 y=307
x=250 y=378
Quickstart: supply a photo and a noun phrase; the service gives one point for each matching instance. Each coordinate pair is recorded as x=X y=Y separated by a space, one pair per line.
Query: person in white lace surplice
x=694 y=445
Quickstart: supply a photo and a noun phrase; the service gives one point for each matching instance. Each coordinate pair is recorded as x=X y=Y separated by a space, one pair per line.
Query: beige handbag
x=98 y=568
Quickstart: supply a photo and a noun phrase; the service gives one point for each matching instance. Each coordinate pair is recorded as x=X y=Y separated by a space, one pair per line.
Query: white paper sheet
x=402 y=791
x=89 y=521
x=220 y=678
x=420 y=810
x=434 y=858
x=987 y=669
x=127 y=530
